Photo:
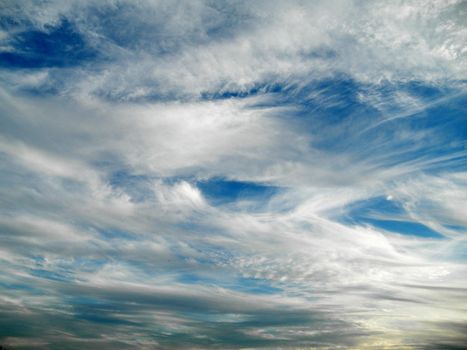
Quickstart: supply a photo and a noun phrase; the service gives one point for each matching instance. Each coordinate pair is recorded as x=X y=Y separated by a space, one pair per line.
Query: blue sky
x=233 y=175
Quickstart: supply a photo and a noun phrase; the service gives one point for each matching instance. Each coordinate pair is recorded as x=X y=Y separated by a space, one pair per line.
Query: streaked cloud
x=233 y=174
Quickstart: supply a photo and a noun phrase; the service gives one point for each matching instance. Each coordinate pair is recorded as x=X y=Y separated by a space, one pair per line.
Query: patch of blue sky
x=409 y=228
x=377 y=205
x=333 y=112
x=388 y=215
x=424 y=90
x=448 y=112
x=336 y=96
x=328 y=109
x=433 y=107
x=220 y=191
x=58 y=46
x=446 y=143
x=458 y=228
x=336 y=102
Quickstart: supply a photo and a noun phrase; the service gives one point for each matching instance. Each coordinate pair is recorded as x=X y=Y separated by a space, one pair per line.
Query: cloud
x=232 y=175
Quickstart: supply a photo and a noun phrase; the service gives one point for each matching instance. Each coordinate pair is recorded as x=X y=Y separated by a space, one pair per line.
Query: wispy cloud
x=233 y=175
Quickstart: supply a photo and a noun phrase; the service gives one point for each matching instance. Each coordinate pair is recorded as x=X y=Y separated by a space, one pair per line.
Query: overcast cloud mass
x=233 y=174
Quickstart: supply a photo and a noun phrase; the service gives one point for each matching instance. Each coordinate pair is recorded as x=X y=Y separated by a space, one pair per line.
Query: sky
x=233 y=174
